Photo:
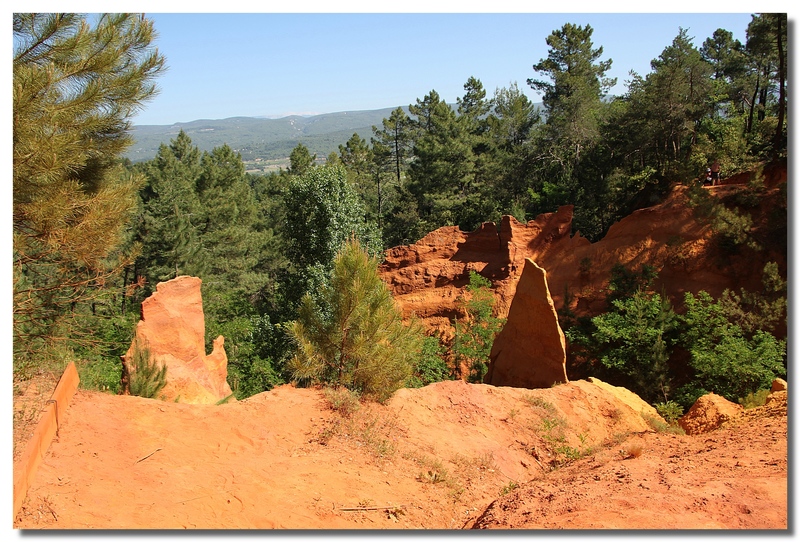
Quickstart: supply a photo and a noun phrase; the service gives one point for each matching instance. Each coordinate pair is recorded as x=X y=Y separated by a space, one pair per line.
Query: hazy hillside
x=267 y=139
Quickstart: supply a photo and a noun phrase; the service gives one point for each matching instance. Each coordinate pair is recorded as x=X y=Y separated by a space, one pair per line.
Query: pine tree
x=391 y=151
x=171 y=216
x=443 y=165
x=75 y=87
x=509 y=130
x=577 y=84
x=392 y=144
x=300 y=160
x=353 y=334
x=768 y=49
x=146 y=376
x=230 y=229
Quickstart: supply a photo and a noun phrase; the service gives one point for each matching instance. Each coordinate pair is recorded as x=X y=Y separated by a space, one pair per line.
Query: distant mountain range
x=259 y=139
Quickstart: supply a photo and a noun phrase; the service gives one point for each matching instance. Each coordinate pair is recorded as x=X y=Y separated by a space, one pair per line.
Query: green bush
x=753 y=311
x=732 y=229
x=634 y=341
x=476 y=332
x=754 y=399
x=670 y=411
x=724 y=359
x=103 y=374
x=431 y=366
x=736 y=366
x=100 y=366
x=624 y=283
x=146 y=378
x=249 y=345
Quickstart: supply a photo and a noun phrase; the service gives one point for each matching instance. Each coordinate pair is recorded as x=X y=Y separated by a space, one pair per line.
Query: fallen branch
x=148 y=455
x=51 y=510
x=369 y=508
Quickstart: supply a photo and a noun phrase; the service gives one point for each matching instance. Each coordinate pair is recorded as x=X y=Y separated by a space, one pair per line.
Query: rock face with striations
x=530 y=350
x=173 y=327
x=428 y=277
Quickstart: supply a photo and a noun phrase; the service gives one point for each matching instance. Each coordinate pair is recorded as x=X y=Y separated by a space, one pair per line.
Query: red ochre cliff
x=428 y=278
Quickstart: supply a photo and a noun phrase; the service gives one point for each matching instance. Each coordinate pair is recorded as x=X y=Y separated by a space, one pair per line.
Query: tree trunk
x=778 y=139
x=749 y=127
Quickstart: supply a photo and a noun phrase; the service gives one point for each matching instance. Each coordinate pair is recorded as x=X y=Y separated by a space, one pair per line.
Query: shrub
x=732 y=229
x=670 y=411
x=102 y=374
x=634 y=340
x=146 y=378
x=724 y=359
x=624 y=283
x=252 y=343
x=753 y=311
x=753 y=400
x=342 y=400
x=475 y=334
x=99 y=361
x=431 y=366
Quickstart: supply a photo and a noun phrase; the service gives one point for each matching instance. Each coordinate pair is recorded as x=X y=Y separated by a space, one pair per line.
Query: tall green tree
x=300 y=160
x=566 y=168
x=577 y=83
x=479 y=201
x=443 y=165
x=355 y=155
x=171 y=216
x=76 y=84
x=728 y=59
x=671 y=102
x=392 y=143
x=510 y=126
x=323 y=211
x=391 y=151
x=357 y=158
x=767 y=46
x=232 y=236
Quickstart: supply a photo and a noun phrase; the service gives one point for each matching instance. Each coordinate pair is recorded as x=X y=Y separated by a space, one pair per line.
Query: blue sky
x=276 y=64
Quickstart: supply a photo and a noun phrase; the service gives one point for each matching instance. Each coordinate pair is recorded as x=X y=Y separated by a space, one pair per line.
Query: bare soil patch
x=448 y=456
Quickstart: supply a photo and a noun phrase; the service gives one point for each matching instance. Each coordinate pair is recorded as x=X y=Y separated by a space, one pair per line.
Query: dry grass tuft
x=632 y=450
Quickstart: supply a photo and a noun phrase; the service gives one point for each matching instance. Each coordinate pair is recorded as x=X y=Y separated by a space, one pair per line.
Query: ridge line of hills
x=260 y=139
x=264 y=143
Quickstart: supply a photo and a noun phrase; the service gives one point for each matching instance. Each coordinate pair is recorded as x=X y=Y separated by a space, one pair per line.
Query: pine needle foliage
x=75 y=85
x=352 y=333
x=147 y=378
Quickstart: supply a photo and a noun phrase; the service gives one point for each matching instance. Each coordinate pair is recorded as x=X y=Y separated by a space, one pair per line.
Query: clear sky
x=275 y=64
